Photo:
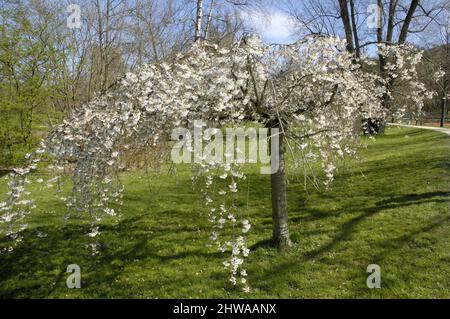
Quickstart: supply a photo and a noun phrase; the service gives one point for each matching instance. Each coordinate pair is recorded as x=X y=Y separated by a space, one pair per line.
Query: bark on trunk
x=409 y=16
x=208 y=22
x=443 y=102
x=355 y=29
x=390 y=27
x=343 y=5
x=280 y=234
x=381 y=58
x=198 y=20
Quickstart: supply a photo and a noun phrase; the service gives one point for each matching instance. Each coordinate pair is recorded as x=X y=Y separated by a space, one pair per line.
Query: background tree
x=32 y=77
x=436 y=41
x=394 y=21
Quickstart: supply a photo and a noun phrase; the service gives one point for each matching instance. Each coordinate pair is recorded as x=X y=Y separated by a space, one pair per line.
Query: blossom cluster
x=406 y=91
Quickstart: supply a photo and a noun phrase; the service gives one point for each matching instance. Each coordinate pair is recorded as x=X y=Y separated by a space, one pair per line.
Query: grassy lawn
x=392 y=208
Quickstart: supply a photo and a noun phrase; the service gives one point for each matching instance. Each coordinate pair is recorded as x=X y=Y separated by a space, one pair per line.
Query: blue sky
x=273 y=25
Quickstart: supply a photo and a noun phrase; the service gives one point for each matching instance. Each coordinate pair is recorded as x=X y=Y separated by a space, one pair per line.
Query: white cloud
x=273 y=26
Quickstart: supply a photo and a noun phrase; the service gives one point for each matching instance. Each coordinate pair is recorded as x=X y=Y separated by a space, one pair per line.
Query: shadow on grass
x=283 y=268
x=37 y=267
x=347 y=228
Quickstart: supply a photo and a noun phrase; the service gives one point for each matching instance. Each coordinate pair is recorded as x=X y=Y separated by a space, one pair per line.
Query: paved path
x=433 y=128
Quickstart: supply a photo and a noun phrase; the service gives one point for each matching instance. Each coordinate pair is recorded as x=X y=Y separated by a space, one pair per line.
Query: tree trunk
x=280 y=234
x=405 y=28
x=355 y=29
x=208 y=23
x=390 y=26
x=443 y=100
x=198 y=20
x=343 y=6
x=381 y=58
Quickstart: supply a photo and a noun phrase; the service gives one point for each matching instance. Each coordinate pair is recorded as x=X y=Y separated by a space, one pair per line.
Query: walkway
x=433 y=128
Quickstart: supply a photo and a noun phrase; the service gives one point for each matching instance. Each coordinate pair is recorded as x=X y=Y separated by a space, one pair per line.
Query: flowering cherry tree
x=312 y=93
x=405 y=93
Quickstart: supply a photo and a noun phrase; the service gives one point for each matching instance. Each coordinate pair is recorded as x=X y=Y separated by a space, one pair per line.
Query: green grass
x=392 y=208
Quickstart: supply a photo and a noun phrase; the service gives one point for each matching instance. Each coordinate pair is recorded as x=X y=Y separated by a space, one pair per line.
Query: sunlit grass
x=391 y=208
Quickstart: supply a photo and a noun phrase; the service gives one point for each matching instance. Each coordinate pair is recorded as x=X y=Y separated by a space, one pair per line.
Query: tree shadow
x=37 y=267
x=4 y=172
x=396 y=201
x=264 y=243
x=264 y=276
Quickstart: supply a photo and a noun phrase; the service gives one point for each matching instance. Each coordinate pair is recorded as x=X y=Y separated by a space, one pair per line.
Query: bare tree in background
x=445 y=87
x=157 y=30
x=437 y=39
x=198 y=20
x=222 y=22
x=316 y=17
x=396 y=19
